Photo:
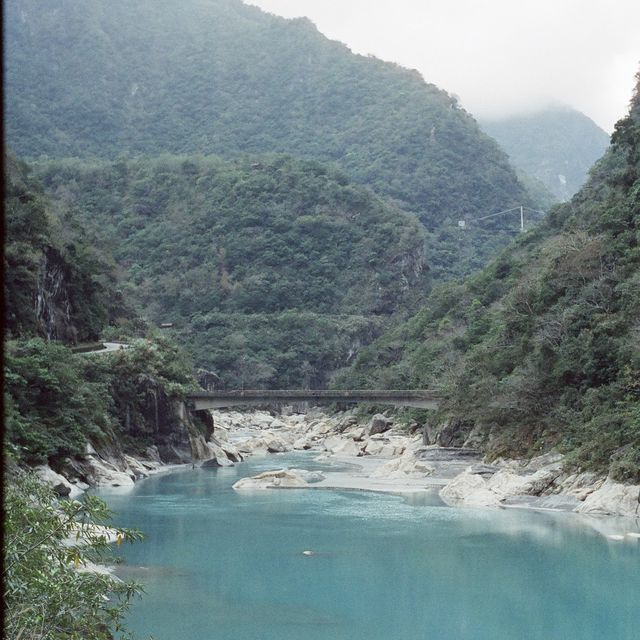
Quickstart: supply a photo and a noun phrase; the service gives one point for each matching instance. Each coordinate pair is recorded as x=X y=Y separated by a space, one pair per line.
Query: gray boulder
x=379 y=424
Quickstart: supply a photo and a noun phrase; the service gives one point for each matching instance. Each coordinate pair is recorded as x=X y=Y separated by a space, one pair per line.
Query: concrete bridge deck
x=421 y=398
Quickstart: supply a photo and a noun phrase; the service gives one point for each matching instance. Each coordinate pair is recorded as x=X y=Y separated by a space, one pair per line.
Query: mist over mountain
x=556 y=146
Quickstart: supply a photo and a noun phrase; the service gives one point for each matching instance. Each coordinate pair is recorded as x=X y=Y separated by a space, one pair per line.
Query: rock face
x=541 y=483
x=53 y=307
x=180 y=437
x=95 y=470
x=61 y=485
x=452 y=433
x=407 y=466
x=280 y=479
x=469 y=489
x=474 y=488
x=613 y=498
x=209 y=380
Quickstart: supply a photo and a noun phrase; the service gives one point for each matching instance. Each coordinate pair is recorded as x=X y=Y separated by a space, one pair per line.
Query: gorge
x=211 y=204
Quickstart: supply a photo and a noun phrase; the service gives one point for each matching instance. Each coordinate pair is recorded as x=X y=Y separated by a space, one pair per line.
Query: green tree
x=51 y=588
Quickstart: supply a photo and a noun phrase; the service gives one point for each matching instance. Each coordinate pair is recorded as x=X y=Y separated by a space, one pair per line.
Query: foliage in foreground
x=50 y=591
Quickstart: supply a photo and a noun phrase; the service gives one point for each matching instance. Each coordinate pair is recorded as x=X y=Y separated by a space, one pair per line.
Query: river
x=221 y=564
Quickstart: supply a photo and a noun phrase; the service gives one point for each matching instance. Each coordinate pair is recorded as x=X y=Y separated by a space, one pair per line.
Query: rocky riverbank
x=383 y=457
x=379 y=455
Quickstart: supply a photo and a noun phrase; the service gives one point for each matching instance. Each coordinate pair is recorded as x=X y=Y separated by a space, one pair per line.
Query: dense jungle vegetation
x=272 y=271
x=541 y=347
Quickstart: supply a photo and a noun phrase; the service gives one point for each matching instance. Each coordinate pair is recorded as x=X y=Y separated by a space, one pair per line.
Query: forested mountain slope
x=556 y=146
x=542 y=347
x=108 y=77
x=273 y=271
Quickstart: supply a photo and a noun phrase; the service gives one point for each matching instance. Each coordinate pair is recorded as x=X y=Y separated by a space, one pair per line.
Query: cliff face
x=57 y=284
x=52 y=306
x=165 y=422
x=173 y=436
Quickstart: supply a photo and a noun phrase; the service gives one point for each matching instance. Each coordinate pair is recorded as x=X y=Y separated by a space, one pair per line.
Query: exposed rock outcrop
x=209 y=380
x=61 y=484
x=179 y=437
x=52 y=308
x=475 y=487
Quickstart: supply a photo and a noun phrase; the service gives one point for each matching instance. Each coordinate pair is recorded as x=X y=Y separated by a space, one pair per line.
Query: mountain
x=146 y=77
x=540 y=349
x=273 y=271
x=556 y=146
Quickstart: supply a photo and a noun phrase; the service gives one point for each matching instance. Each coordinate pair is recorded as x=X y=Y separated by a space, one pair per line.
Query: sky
x=499 y=57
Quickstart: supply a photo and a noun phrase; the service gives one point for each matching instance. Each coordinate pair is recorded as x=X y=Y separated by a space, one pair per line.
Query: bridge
x=421 y=398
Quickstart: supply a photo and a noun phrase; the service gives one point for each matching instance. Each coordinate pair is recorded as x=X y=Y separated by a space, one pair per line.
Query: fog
x=500 y=57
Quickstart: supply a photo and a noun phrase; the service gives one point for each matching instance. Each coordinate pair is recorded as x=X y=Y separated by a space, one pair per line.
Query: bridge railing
x=400 y=397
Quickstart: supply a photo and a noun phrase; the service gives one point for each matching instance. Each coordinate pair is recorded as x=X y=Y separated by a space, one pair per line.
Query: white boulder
x=613 y=499
x=279 y=479
x=302 y=444
x=469 y=489
x=403 y=467
x=334 y=443
x=48 y=475
x=309 y=476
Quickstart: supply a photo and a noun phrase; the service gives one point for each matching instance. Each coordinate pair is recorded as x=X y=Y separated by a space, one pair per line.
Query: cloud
x=499 y=56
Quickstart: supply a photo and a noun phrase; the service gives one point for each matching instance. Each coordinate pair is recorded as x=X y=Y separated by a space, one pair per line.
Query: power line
x=491 y=215
x=521 y=208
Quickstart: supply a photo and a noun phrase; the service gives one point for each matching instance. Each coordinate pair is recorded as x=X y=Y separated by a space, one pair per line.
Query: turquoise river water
x=219 y=564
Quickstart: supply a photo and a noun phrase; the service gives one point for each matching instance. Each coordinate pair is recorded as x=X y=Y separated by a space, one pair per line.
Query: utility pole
x=521 y=219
